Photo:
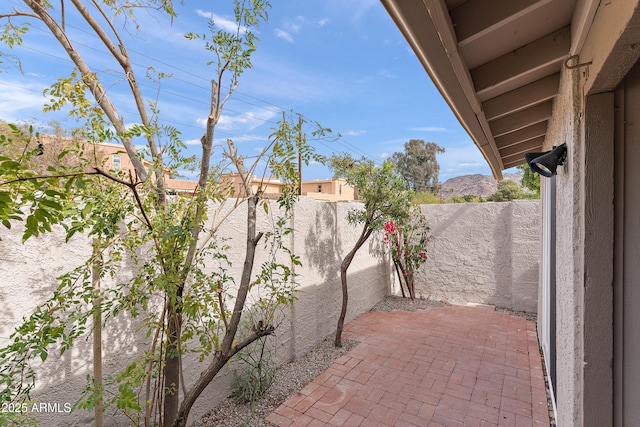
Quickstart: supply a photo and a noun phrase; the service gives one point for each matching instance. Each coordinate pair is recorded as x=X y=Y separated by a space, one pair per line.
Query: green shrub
x=425 y=198
x=252 y=382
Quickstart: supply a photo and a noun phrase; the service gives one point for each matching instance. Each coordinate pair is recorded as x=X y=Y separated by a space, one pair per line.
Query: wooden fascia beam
x=550 y=50
x=522 y=98
x=522 y=119
x=521 y=148
x=524 y=134
x=475 y=18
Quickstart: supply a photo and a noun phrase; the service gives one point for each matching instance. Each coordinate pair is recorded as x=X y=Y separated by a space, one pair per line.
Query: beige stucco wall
x=583 y=119
x=584 y=253
x=323 y=236
x=565 y=127
x=484 y=253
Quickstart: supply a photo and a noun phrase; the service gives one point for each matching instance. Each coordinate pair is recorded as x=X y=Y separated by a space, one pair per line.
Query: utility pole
x=96 y=264
x=299 y=156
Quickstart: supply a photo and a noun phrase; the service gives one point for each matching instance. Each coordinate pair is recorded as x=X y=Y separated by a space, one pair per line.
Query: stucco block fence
x=485 y=253
x=481 y=253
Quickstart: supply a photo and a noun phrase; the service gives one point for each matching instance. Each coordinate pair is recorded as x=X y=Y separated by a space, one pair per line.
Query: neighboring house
x=333 y=189
x=109 y=157
x=114 y=157
x=266 y=185
x=527 y=75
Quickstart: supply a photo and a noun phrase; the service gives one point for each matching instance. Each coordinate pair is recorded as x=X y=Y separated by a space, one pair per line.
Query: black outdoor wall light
x=546 y=163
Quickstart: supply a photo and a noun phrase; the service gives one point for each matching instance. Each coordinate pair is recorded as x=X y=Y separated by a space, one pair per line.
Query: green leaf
x=51 y=204
x=10 y=165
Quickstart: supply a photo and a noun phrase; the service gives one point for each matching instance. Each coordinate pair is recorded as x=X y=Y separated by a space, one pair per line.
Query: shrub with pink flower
x=389 y=227
x=407 y=239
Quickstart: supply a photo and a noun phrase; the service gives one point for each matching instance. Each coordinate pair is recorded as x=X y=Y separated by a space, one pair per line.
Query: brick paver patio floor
x=445 y=366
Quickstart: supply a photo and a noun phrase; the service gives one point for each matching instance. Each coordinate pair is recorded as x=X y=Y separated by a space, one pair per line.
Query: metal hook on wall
x=577 y=64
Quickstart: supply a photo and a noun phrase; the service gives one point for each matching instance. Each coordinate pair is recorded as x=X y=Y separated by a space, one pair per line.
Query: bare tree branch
x=88 y=77
x=16 y=12
x=121 y=55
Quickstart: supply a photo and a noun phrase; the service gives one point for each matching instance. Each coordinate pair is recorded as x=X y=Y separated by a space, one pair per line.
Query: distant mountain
x=478 y=185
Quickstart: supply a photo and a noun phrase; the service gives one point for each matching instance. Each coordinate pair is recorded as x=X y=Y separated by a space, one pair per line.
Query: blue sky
x=341 y=63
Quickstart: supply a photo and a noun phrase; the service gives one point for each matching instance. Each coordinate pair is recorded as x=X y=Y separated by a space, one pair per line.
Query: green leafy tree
x=507 y=190
x=418 y=165
x=530 y=179
x=172 y=294
x=425 y=198
x=457 y=199
x=383 y=193
x=467 y=198
x=472 y=198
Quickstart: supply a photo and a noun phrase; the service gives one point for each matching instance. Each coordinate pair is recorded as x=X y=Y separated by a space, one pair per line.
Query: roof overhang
x=496 y=63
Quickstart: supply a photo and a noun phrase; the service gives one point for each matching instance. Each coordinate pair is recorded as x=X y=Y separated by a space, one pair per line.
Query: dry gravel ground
x=289 y=379
x=293 y=376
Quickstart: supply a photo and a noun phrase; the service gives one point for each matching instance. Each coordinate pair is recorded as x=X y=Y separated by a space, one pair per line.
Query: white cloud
x=324 y=21
x=354 y=132
x=384 y=155
x=281 y=34
x=429 y=129
x=295 y=25
x=469 y=165
x=248 y=138
x=355 y=9
x=243 y=121
x=292 y=26
x=238 y=139
x=186 y=174
x=129 y=126
x=372 y=78
x=191 y=142
x=224 y=23
x=29 y=95
x=387 y=74
x=293 y=81
x=462 y=160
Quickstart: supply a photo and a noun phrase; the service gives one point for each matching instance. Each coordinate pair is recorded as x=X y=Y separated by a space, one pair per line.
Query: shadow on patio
x=447 y=366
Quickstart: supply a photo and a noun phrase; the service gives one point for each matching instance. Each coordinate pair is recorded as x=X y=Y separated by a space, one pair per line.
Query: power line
x=339 y=140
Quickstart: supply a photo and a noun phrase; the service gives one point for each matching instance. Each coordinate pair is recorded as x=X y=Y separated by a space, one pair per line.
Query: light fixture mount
x=545 y=163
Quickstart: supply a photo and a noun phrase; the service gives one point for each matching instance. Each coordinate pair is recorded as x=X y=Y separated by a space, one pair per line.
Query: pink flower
x=389 y=227
x=422 y=255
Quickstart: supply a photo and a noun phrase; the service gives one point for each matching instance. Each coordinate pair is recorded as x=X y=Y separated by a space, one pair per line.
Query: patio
x=449 y=366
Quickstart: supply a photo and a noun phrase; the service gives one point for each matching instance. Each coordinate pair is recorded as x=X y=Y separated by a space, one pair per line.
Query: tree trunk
x=411 y=287
x=227 y=349
x=395 y=263
x=346 y=262
x=218 y=362
x=171 y=396
x=97 y=335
